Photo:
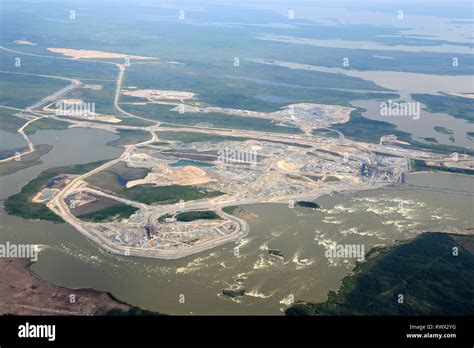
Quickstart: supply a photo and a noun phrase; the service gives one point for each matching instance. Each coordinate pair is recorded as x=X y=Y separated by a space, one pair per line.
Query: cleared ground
x=23 y=293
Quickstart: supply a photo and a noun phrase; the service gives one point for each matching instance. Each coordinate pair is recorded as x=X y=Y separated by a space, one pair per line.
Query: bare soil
x=23 y=293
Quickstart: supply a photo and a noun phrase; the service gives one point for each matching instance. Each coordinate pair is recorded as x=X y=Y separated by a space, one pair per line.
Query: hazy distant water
x=423 y=127
x=369 y=218
x=403 y=83
x=373 y=217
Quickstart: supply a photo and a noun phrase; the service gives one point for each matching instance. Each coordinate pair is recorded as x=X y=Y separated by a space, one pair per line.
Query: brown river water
x=431 y=202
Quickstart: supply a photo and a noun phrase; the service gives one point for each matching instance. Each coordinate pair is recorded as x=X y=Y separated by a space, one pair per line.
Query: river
x=429 y=202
